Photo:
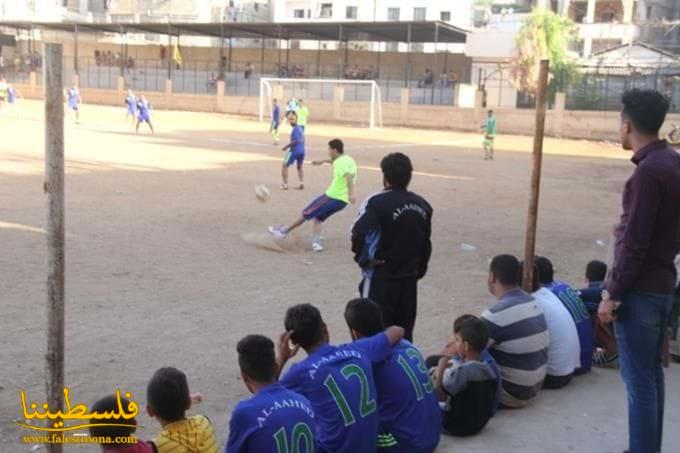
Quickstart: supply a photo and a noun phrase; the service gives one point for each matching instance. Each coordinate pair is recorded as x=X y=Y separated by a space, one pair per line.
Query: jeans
x=640 y=328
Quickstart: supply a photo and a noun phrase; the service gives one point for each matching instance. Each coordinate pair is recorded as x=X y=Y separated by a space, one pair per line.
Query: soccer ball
x=261 y=192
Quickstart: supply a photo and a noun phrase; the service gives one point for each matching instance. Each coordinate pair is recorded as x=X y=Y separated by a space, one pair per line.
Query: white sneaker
x=317 y=247
x=277 y=232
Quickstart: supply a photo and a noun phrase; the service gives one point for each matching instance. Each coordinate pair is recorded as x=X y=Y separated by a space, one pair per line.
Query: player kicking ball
x=295 y=154
x=339 y=194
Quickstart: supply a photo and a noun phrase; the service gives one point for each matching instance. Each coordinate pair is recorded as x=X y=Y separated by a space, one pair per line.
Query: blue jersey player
x=73 y=100
x=337 y=380
x=143 y=113
x=131 y=106
x=410 y=418
x=274 y=419
x=276 y=121
x=295 y=153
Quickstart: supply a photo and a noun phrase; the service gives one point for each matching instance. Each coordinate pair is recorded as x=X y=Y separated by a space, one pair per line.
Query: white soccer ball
x=261 y=192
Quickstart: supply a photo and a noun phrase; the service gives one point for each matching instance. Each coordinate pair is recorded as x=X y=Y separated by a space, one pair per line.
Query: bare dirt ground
x=168 y=260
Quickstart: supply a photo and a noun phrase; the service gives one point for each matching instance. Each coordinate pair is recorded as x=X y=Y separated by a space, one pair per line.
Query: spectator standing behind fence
x=639 y=289
x=248 y=71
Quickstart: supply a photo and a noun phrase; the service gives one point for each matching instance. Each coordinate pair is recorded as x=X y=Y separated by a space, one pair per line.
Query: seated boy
x=337 y=380
x=410 y=418
x=168 y=400
x=120 y=429
x=274 y=418
x=470 y=387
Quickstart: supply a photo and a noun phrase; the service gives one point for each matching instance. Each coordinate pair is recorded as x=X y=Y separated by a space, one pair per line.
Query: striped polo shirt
x=519 y=343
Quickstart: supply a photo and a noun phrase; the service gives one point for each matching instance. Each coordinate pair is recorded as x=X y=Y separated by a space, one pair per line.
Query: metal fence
x=601 y=88
x=243 y=78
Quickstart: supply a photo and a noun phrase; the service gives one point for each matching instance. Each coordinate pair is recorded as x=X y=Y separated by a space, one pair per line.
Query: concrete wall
x=590 y=125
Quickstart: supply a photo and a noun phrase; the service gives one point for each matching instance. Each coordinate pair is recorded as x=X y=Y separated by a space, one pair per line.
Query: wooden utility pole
x=532 y=217
x=54 y=188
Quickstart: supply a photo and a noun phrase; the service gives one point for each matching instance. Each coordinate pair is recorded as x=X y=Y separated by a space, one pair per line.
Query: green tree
x=544 y=34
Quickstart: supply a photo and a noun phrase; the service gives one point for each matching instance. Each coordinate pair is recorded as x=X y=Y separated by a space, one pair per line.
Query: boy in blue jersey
x=577 y=309
x=131 y=106
x=144 y=114
x=410 y=418
x=73 y=100
x=276 y=120
x=274 y=419
x=295 y=153
x=337 y=380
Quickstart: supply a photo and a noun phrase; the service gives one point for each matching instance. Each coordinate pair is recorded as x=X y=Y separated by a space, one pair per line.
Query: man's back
x=275 y=419
x=338 y=381
x=393 y=226
x=519 y=343
x=579 y=313
x=409 y=412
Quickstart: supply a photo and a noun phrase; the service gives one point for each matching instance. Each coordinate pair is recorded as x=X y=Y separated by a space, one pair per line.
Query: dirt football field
x=169 y=262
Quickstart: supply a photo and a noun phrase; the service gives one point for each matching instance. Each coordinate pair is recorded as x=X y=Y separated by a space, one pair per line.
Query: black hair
x=460 y=320
x=293 y=113
x=110 y=404
x=506 y=269
x=535 y=281
x=646 y=109
x=305 y=321
x=475 y=332
x=546 y=272
x=256 y=358
x=337 y=145
x=168 y=394
x=596 y=271
x=364 y=316
x=397 y=169
x=490 y=111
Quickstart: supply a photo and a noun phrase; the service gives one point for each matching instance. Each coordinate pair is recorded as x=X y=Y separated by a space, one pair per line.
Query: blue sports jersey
x=273 y=420
x=410 y=418
x=579 y=313
x=338 y=381
x=144 y=110
x=11 y=94
x=73 y=97
x=276 y=114
x=296 y=135
x=131 y=103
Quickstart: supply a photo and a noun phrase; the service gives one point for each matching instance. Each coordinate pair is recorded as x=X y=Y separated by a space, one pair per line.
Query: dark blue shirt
x=407 y=403
x=297 y=137
x=579 y=314
x=276 y=114
x=591 y=296
x=338 y=381
x=274 y=419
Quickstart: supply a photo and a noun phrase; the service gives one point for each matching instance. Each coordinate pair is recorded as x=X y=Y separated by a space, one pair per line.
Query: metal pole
x=221 y=64
x=532 y=217
x=278 y=70
x=408 y=57
x=229 y=62
x=377 y=67
x=318 y=58
x=167 y=54
x=75 y=49
x=54 y=188
x=344 y=61
x=262 y=58
x=122 y=53
x=434 y=69
x=288 y=55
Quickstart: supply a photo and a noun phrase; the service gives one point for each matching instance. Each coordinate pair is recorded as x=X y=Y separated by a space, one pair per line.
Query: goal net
x=355 y=101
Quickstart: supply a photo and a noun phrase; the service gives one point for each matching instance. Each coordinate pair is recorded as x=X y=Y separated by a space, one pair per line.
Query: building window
x=299 y=13
x=419 y=13
x=351 y=12
x=445 y=16
x=393 y=14
x=326 y=11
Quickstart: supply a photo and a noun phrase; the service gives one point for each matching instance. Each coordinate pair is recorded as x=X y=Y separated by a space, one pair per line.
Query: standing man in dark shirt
x=638 y=292
x=391 y=244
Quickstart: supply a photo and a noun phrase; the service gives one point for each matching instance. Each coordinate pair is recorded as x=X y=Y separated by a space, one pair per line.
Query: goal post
x=323 y=90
